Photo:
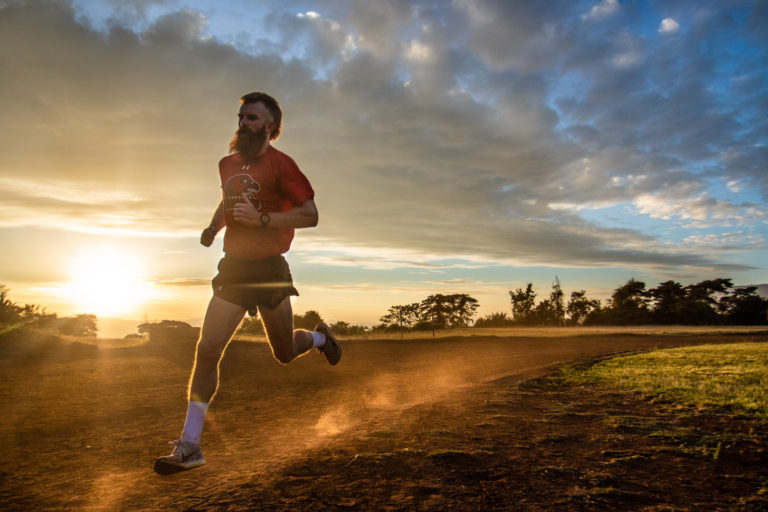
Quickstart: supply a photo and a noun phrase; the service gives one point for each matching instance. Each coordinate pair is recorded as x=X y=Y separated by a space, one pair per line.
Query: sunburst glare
x=108 y=281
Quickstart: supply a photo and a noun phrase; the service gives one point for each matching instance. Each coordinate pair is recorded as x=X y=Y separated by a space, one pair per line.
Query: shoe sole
x=334 y=358
x=163 y=467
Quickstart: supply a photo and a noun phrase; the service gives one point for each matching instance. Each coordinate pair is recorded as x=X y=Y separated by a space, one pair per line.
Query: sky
x=455 y=146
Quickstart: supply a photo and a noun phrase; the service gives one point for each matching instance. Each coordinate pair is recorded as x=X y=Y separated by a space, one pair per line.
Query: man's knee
x=285 y=350
x=284 y=356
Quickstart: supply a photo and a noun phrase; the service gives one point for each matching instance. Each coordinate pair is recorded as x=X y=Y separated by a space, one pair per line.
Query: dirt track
x=398 y=425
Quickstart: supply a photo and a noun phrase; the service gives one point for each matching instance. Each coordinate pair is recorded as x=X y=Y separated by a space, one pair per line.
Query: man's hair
x=272 y=105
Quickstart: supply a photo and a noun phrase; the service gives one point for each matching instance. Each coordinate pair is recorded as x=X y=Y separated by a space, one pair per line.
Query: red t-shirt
x=273 y=183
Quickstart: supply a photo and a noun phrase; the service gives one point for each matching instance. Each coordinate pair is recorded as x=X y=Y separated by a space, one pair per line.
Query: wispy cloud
x=602 y=10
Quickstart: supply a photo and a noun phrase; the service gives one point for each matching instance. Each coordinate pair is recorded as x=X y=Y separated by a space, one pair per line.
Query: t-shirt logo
x=235 y=186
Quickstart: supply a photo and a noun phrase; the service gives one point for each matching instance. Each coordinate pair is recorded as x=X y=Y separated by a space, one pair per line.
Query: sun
x=107 y=282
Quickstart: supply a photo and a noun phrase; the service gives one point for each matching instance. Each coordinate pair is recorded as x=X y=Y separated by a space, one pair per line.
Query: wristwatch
x=264 y=219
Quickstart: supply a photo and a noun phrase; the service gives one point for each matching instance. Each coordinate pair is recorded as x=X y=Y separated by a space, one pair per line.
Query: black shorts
x=254 y=283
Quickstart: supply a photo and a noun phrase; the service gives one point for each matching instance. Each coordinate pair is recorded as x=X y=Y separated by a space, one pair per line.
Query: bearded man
x=265 y=197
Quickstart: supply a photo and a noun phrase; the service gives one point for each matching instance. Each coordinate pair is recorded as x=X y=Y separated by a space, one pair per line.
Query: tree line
x=14 y=315
x=709 y=302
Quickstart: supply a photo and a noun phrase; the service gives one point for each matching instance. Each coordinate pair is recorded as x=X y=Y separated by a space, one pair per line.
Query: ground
x=471 y=423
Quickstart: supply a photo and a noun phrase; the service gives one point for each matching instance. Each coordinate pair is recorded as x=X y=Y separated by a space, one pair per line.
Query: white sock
x=318 y=339
x=193 y=426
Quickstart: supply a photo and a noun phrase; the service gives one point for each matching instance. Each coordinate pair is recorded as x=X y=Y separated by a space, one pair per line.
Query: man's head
x=271 y=105
x=259 y=120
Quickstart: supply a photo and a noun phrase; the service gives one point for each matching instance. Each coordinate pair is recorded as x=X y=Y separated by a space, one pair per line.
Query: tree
x=402 y=317
x=10 y=312
x=251 y=326
x=463 y=309
x=669 y=300
x=704 y=290
x=693 y=304
x=522 y=304
x=307 y=321
x=550 y=311
x=745 y=307
x=443 y=311
x=542 y=314
x=629 y=304
x=434 y=312
x=557 y=308
x=631 y=295
x=700 y=306
x=80 y=325
x=580 y=307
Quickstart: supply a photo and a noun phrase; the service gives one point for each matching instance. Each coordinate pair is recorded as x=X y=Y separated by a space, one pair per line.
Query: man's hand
x=206 y=238
x=246 y=213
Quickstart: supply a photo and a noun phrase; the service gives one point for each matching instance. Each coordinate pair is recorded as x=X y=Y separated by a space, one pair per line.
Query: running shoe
x=184 y=456
x=331 y=348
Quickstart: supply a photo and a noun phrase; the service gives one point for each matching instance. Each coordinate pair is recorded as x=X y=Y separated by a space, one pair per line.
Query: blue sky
x=466 y=146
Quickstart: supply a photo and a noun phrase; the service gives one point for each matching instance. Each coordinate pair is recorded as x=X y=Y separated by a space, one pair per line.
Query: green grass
x=732 y=377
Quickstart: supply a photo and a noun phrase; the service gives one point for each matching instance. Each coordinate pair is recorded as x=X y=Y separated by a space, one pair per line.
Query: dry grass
x=543 y=332
x=562 y=332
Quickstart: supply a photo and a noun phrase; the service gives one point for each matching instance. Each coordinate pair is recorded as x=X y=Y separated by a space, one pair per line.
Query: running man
x=264 y=198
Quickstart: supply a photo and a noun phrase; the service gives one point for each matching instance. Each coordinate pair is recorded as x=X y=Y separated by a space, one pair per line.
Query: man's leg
x=286 y=343
x=221 y=320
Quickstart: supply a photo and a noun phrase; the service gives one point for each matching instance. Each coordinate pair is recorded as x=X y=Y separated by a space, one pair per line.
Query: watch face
x=265 y=219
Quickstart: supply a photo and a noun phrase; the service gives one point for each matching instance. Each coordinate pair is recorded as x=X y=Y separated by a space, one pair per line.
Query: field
x=499 y=421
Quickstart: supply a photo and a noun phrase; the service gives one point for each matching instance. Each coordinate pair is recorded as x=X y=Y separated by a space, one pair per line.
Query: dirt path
x=399 y=425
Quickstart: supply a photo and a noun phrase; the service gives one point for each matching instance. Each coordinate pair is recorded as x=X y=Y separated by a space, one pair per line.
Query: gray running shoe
x=331 y=349
x=184 y=456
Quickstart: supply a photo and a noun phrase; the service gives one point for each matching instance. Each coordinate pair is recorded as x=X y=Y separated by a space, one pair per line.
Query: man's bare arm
x=217 y=222
x=302 y=216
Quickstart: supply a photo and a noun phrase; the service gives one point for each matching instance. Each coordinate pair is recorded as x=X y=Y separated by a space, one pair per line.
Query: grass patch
x=733 y=377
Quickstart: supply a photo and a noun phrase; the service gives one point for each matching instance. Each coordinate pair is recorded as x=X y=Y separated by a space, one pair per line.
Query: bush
x=345 y=329
x=169 y=331
x=494 y=320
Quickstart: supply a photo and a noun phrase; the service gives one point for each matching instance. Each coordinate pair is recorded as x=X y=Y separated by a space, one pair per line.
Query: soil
x=453 y=424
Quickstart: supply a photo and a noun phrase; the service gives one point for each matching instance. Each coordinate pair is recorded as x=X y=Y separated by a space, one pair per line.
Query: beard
x=248 y=143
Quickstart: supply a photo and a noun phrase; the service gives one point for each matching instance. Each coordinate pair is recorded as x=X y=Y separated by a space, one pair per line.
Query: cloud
x=512 y=35
x=91 y=207
x=684 y=201
x=736 y=241
x=602 y=10
x=668 y=26
x=482 y=131
x=186 y=25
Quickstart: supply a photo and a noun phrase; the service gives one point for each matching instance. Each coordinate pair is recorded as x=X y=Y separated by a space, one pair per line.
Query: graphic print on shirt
x=233 y=190
x=235 y=186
